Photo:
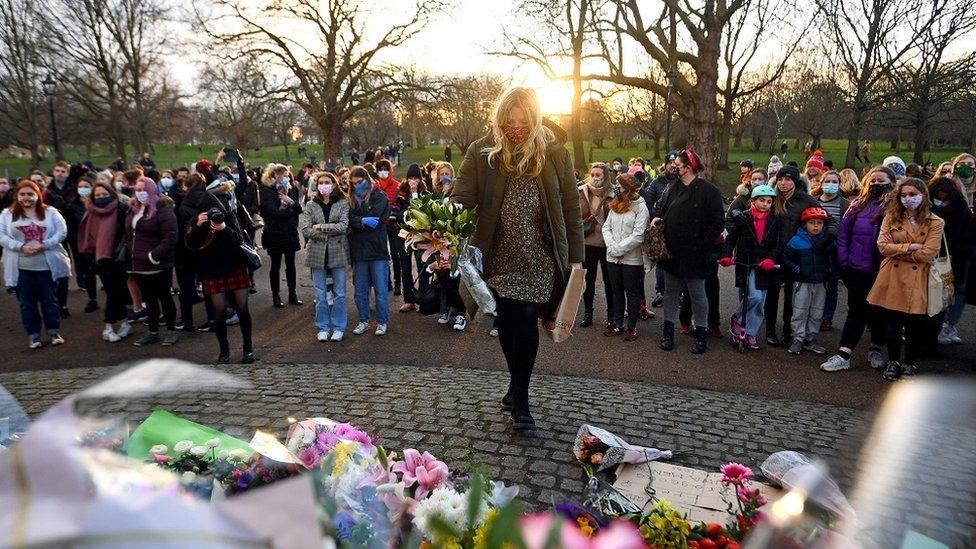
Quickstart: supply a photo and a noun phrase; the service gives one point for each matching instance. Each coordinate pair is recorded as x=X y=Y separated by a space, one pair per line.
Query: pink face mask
x=4 y=187
x=516 y=134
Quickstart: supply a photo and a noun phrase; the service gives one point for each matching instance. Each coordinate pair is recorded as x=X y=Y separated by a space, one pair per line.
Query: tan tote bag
x=942 y=287
x=569 y=306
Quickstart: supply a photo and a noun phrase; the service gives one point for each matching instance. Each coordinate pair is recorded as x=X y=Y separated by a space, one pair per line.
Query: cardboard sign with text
x=692 y=491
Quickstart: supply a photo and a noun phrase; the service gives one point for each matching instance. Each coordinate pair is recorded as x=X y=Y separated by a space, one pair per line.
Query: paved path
x=453 y=413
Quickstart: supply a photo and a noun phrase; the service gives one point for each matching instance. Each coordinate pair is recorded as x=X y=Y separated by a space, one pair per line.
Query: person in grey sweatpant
x=811 y=255
x=809 y=299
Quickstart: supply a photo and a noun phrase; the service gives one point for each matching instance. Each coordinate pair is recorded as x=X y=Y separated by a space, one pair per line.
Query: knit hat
x=746 y=164
x=896 y=164
x=790 y=172
x=816 y=161
x=670 y=156
x=774 y=165
x=413 y=171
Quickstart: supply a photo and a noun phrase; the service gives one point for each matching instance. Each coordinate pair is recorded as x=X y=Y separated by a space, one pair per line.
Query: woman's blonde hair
x=268 y=177
x=528 y=158
x=850 y=185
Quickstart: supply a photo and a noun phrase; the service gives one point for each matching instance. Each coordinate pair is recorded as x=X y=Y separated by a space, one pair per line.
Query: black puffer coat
x=280 y=233
x=694 y=218
x=366 y=244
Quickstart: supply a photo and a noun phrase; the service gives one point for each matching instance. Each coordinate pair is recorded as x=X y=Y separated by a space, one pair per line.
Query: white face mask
x=118 y=186
x=166 y=182
x=84 y=192
x=940 y=203
x=383 y=174
x=325 y=189
x=142 y=197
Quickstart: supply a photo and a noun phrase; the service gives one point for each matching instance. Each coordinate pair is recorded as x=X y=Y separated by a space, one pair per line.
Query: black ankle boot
x=701 y=340
x=509 y=399
x=293 y=298
x=771 y=339
x=667 y=339
x=277 y=300
x=521 y=416
x=587 y=319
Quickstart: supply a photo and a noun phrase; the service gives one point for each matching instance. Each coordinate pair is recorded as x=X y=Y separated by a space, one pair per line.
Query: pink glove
x=766 y=264
x=726 y=262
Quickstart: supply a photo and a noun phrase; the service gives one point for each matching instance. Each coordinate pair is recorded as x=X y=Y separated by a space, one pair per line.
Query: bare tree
x=566 y=25
x=647 y=116
x=234 y=93
x=696 y=63
x=333 y=70
x=868 y=41
x=464 y=108
x=21 y=101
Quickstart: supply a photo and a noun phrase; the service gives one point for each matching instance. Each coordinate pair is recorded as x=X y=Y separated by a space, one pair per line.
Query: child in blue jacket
x=810 y=255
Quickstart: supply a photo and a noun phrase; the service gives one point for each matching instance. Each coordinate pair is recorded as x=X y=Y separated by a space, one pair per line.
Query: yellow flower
x=584 y=526
x=342 y=451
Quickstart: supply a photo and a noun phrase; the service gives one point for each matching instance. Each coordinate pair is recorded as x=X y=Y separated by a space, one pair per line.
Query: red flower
x=735 y=474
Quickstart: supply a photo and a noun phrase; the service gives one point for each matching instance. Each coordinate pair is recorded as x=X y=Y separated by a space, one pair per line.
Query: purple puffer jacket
x=857 y=239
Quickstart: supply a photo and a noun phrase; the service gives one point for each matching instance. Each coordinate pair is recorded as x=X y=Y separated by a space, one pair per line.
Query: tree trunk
x=332 y=138
x=575 y=122
x=657 y=147
x=703 y=120
x=737 y=139
x=724 y=133
x=921 y=138
x=853 y=134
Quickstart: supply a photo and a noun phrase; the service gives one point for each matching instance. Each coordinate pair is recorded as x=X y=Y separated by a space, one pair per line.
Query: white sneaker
x=443 y=319
x=361 y=328
x=108 y=334
x=954 y=334
x=836 y=363
x=337 y=336
x=460 y=322
x=493 y=332
x=381 y=329
x=877 y=360
x=57 y=339
x=322 y=336
x=124 y=331
x=945 y=335
x=35 y=343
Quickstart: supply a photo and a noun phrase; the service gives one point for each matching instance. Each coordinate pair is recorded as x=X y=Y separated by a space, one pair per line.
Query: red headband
x=693 y=162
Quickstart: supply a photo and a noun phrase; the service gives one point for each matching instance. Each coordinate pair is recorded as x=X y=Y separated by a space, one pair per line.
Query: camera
x=231 y=156
x=216 y=215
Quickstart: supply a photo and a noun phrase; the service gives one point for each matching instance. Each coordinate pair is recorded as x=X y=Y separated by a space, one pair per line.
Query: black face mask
x=879 y=190
x=102 y=201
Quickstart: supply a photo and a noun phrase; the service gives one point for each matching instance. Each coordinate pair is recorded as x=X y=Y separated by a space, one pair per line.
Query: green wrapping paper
x=163 y=427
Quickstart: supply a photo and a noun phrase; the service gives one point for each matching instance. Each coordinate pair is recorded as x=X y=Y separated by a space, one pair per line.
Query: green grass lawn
x=184 y=155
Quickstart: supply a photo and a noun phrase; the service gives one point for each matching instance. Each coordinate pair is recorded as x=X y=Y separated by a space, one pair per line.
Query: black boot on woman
x=701 y=340
x=521 y=416
x=667 y=339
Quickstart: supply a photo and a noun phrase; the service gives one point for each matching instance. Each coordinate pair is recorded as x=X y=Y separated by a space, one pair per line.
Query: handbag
x=655 y=244
x=121 y=253
x=589 y=220
x=568 y=306
x=942 y=287
x=251 y=254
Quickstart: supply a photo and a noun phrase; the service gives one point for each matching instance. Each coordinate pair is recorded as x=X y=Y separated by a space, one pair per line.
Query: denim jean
x=376 y=274
x=659 y=280
x=753 y=306
x=35 y=290
x=959 y=303
x=330 y=317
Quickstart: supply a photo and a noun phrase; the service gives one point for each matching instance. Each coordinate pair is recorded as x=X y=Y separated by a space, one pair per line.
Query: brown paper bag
x=569 y=306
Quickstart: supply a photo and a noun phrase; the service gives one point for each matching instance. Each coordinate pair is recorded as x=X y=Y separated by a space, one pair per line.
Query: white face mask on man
x=383 y=174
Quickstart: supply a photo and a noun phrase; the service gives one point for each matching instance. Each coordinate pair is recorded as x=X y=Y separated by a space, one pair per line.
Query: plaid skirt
x=238 y=279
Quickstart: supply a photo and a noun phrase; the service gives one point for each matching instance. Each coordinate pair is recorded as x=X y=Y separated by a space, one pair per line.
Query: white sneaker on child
x=108 y=334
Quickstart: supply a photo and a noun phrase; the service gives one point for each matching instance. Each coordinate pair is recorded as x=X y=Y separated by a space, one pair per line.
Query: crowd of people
x=155 y=239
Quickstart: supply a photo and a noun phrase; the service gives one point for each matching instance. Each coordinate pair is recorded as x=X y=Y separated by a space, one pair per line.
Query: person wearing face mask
x=859 y=259
x=391 y=188
x=827 y=191
x=150 y=243
x=623 y=234
x=789 y=204
x=964 y=172
x=99 y=233
x=520 y=180
x=412 y=187
x=617 y=165
x=325 y=223
x=32 y=234
x=452 y=308
x=280 y=209
x=652 y=195
x=693 y=217
x=895 y=164
x=743 y=199
x=595 y=194
x=84 y=263
x=960 y=230
x=369 y=250
x=909 y=240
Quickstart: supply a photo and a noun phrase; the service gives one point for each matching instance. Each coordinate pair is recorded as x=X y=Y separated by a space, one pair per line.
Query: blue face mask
x=830 y=189
x=361 y=188
x=447 y=181
x=284 y=181
x=84 y=192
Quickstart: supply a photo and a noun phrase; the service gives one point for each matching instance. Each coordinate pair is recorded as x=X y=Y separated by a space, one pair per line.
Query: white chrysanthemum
x=198 y=450
x=450 y=506
x=158 y=449
x=223 y=454
x=183 y=446
x=238 y=453
x=189 y=477
x=213 y=443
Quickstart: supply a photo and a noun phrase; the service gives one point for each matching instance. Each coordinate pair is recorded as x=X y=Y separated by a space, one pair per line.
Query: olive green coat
x=561 y=211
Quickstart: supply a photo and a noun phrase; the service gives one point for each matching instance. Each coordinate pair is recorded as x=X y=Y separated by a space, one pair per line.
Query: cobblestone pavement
x=453 y=412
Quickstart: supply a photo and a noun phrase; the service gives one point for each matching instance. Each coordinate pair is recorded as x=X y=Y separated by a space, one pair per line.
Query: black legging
x=711 y=292
x=518 y=333
x=596 y=255
x=860 y=313
x=912 y=328
x=276 y=271
x=626 y=281
x=113 y=279
x=451 y=301
x=157 y=291
x=186 y=279
x=219 y=304
x=401 y=266
x=772 y=305
x=85 y=270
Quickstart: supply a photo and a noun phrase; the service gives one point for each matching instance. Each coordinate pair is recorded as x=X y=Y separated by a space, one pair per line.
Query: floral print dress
x=522 y=264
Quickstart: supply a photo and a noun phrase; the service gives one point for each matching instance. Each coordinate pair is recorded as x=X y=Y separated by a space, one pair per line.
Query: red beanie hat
x=203 y=166
x=817 y=161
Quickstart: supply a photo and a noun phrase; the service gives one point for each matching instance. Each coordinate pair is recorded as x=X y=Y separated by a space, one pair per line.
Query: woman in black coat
x=280 y=209
x=960 y=232
x=693 y=216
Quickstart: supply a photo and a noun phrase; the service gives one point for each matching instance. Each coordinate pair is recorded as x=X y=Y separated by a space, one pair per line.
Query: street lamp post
x=50 y=87
x=671 y=76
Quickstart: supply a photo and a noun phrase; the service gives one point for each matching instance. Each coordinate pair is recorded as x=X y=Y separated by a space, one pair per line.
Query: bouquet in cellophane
x=440 y=232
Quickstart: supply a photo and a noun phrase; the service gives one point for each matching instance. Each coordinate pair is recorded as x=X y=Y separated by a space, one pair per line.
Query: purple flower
x=343 y=523
x=309 y=456
x=348 y=432
x=326 y=441
x=244 y=481
x=573 y=512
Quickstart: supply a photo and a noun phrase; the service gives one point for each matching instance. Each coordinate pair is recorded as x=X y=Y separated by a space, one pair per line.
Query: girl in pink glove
x=754 y=242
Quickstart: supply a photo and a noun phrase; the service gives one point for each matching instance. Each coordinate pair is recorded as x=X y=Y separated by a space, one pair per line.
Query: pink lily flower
x=398 y=504
x=423 y=469
x=618 y=535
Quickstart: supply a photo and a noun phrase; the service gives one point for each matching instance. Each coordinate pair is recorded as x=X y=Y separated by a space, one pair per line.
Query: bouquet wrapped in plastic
x=441 y=232
x=602 y=450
